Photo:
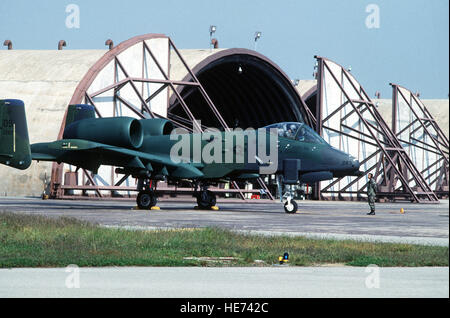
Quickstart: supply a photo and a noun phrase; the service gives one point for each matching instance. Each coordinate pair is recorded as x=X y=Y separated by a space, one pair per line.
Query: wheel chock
x=155 y=208
x=214 y=208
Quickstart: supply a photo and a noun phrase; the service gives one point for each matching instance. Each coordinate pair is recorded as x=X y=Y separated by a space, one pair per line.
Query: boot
x=371 y=213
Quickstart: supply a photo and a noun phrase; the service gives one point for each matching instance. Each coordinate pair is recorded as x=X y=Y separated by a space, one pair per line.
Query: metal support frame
x=354 y=125
x=82 y=96
x=422 y=137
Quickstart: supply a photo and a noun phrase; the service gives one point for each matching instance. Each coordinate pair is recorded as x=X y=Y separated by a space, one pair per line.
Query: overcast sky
x=401 y=41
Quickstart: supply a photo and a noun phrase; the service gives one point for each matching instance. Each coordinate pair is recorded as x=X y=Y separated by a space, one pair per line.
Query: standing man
x=371 y=193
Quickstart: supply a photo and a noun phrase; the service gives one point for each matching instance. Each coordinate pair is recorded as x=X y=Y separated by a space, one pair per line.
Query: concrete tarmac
x=420 y=224
x=193 y=282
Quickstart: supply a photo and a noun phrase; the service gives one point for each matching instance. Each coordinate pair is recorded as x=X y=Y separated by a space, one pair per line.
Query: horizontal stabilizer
x=42 y=156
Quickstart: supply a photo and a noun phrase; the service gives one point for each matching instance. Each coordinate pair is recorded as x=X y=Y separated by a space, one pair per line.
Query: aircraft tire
x=292 y=208
x=145 y=200
x=206 y=199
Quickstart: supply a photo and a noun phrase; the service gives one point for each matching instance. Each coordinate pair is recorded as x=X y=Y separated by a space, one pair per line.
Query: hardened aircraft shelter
x=147 y=76
x=347 y=119
x=422 y=138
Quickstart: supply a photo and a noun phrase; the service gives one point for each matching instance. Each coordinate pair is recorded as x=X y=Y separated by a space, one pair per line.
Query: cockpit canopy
x=297 y=131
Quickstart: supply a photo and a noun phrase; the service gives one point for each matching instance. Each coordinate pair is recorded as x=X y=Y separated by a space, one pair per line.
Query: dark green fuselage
x=313 y=157
x=148 y=148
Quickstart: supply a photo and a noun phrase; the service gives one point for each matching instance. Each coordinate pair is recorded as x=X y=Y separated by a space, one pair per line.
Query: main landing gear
x=146 y=198
x=206 y=199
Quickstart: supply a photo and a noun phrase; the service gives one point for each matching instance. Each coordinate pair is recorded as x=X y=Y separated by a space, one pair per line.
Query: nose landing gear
x=290 y=206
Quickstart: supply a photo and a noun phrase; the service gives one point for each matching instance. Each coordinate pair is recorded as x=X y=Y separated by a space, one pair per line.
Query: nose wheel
x=291 y=207
x=146 y=200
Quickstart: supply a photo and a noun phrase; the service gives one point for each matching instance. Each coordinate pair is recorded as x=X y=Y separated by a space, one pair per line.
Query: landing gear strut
x=146 y=198
x=290 y=206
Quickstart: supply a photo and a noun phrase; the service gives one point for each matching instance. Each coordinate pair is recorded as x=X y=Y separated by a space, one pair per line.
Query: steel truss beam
x=347 y=117
x=422 y=137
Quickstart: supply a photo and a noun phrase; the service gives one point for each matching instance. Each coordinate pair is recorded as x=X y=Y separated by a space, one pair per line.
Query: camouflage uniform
x=372 y=194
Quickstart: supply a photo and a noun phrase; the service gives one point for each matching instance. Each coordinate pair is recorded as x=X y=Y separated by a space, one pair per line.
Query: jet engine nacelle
x=156 y=126
x=124 y=132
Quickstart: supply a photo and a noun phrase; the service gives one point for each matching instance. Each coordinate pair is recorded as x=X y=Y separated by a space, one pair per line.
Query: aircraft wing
x=42 y=156
x=137 y=159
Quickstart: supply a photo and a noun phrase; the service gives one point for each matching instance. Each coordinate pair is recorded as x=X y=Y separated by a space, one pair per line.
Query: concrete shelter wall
x=45 y=80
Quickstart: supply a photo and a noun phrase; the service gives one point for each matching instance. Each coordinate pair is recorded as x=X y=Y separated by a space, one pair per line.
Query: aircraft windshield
x=297 y=131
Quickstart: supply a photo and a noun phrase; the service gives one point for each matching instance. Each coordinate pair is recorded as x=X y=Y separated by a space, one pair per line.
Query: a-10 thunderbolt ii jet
x=149 y=150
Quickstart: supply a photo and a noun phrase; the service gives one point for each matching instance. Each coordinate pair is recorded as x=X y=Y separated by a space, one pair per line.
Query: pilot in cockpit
x=301 y=134
x=297 y=131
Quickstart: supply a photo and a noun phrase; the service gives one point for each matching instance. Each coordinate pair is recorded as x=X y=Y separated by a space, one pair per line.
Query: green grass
x=36 y=241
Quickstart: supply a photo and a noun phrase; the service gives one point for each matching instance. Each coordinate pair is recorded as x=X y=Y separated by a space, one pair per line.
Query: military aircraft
x=144 y=149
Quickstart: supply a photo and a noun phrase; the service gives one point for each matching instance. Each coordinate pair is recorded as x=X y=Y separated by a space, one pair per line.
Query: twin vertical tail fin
x=14 y=142
x=79 y=112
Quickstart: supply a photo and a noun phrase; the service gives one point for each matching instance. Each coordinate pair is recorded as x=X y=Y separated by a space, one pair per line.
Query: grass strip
x=38 y=241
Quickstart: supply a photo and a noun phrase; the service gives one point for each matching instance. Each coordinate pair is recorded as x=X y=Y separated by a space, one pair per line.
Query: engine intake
x=124 y=132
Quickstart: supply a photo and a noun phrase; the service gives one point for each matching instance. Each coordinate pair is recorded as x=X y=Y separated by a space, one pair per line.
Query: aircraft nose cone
x=355 y=166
